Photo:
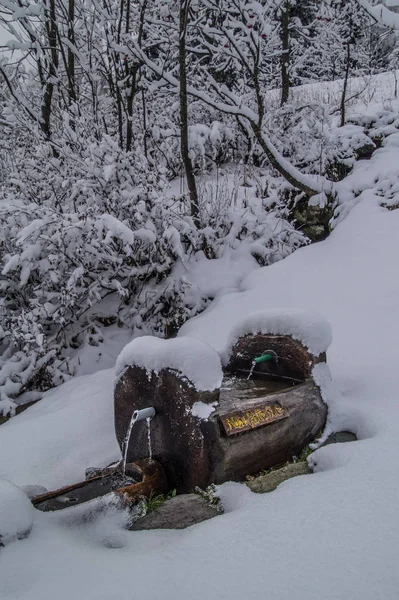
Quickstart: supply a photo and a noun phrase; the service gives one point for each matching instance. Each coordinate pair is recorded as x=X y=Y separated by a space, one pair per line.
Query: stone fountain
x=225 y=427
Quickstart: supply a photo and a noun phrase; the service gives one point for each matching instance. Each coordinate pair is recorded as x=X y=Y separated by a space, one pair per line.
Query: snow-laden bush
x=310 y=136
x=79 y=230
x=211 y=144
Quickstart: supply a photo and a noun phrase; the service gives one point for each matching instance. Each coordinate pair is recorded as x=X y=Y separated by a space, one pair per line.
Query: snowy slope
x=331 y=535
x=53 y=442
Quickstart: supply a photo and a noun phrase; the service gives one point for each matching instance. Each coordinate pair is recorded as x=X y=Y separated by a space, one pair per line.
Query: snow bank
x=194 y=359
x=16 y=513
x=309 y=328
x=71 y=428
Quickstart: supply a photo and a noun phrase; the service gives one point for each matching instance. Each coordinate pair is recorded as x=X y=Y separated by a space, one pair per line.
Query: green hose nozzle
x=263 y=358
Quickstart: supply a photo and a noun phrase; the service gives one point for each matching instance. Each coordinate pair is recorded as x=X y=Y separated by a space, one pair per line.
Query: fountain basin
x=238 y=429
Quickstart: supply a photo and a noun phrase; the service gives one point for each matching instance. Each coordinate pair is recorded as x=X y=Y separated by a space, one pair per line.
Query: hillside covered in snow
x=329 y=534
x=174 y=179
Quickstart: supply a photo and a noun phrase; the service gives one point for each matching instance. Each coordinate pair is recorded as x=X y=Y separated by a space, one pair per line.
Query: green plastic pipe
x=263 y=358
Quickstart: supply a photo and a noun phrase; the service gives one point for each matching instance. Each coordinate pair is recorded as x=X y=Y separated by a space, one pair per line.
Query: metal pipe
x=266 y=374
x=145 y=413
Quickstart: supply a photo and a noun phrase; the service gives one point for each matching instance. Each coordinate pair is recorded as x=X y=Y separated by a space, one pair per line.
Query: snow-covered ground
x=331 y=535
x=362 y=92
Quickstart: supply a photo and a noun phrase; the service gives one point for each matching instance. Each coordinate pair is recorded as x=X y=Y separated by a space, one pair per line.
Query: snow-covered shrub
x=232 y=219
x=91 y=226
x=66 y=246
x=210 y=144
x=310 y=136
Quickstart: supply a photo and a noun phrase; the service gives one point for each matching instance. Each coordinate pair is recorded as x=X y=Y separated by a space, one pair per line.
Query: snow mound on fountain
x=309 y=328
x=196 y=360
x=16 y=513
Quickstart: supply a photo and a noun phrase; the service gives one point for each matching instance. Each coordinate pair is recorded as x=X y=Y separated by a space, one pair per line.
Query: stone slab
x=270 y=481
x=177 y=513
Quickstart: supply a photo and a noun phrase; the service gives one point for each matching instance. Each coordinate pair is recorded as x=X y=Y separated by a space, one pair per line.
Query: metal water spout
x=138 y=415
x=144 y=413
x=266 y=355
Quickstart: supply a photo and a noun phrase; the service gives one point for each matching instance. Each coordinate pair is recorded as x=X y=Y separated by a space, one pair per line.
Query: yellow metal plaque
x=253 y=417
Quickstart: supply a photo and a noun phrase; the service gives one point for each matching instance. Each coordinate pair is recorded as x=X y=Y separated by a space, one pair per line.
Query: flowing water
x=148 y=420
x=128 y=436
x=253 y=365
x=127 y=440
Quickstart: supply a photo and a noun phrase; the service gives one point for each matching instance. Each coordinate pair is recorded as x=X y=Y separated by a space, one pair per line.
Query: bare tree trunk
x=345 y=88
x=285 y=56
x=134 y=73
x=184 y=144
x=144 y=124
x=51 y=31
x=71 y=54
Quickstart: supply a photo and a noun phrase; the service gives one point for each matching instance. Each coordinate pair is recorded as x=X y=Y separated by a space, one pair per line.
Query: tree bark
x=51 y=31
x=134 y=74
x=71 y=54
x=346 y=80
x=183 y=98
x=285 y=56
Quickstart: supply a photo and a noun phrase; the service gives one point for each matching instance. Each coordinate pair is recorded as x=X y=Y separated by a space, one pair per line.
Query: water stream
x=148 y=420
x=253 y=365
x=127 y=440
x=136 y=416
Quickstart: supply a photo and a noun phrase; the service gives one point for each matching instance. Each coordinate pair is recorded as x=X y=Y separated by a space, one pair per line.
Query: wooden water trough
x=142 y=478
x=240 y=428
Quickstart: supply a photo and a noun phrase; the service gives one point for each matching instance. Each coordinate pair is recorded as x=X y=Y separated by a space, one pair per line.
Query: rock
x=16 y=513
x=178 y=513
x=340 y=437
x=313 y=221
x=270 y=481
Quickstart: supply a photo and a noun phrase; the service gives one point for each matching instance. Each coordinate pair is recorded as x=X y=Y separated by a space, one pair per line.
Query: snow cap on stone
x=309 y=328
x=194 y=359
x=16 y=513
